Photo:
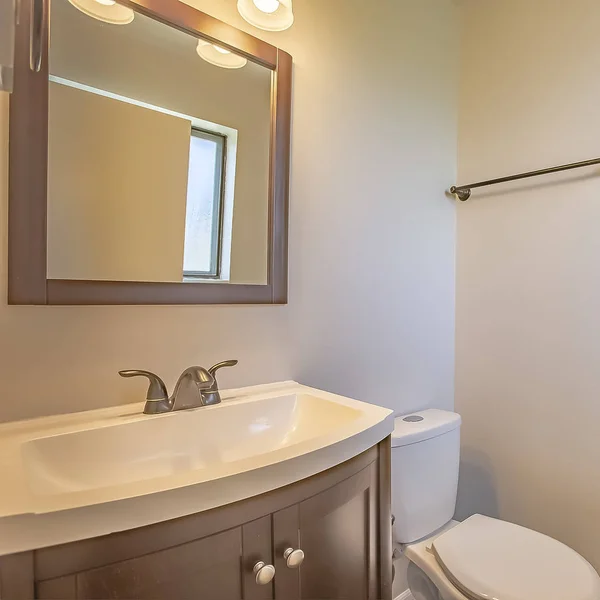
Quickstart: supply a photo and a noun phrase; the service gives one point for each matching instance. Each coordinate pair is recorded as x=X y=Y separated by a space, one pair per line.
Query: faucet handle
x=157 y=390
x=213 y=396
x=225 y=363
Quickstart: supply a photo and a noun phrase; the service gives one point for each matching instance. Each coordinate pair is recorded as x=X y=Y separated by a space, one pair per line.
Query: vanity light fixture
x=107 y=11
x=218 y=56
x=270 y=15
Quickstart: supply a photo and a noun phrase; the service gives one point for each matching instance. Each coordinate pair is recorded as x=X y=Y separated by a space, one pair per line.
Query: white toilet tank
x=425 y=459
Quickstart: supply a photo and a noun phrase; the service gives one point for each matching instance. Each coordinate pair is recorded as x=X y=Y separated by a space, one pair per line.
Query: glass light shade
x=218 y=56
x=279 y=19
x=105 y=10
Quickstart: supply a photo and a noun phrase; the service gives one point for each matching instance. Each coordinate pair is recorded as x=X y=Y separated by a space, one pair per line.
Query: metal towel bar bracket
x=463 y=192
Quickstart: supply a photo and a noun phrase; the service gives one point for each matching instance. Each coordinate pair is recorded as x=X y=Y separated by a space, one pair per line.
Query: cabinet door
x=217 y=567
x=338 y=531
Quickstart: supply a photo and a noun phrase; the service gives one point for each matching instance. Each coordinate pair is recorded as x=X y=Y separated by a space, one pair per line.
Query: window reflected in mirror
x=159 y=153
x=204 y=229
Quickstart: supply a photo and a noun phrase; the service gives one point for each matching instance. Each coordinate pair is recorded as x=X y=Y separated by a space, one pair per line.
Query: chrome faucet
x=195 y=387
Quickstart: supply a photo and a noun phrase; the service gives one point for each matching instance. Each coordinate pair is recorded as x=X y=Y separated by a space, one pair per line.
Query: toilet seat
x=488 y=559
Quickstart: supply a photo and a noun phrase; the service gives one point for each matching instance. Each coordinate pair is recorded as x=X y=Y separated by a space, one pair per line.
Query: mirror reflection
x=159 y=149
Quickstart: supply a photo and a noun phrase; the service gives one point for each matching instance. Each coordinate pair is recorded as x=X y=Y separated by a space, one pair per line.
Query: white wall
x=372 y=238
x=528 y=283
x=373 y=234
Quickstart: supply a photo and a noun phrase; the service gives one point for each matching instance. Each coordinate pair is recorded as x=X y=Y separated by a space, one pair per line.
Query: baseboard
x=405 y=596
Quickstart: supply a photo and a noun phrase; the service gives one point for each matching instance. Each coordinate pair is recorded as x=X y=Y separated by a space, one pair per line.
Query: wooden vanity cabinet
x=340 y=519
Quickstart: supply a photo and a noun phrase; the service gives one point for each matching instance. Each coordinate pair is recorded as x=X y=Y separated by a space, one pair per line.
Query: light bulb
x=217 y=48
x=266 y=6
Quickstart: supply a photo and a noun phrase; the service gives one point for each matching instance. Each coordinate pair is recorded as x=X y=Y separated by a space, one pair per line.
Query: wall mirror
x=149 y=157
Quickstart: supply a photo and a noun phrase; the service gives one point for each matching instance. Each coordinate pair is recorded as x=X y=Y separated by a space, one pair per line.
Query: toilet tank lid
x=423 y=425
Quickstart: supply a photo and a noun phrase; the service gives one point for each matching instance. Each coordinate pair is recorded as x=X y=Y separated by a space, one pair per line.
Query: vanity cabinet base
x=340 y=519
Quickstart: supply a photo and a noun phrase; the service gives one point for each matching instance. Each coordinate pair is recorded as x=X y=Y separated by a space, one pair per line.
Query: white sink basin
x=179 y=442
x=78 y=476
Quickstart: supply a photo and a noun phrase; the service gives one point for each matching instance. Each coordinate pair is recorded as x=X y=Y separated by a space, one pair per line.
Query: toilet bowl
x=481 y=558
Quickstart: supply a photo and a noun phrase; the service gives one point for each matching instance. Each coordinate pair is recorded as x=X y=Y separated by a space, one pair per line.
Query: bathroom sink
x=203 y=440
x=84 y=475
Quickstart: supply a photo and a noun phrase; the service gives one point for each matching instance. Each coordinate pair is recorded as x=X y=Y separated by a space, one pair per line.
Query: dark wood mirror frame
x=28 y=170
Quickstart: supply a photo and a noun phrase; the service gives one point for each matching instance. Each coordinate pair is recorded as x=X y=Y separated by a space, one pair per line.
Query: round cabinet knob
x=293 y=558
x=264 y=573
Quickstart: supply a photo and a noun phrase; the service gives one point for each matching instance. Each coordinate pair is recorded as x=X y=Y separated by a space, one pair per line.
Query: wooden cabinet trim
x=257 y=546
x=286 y=528
x=384 y=530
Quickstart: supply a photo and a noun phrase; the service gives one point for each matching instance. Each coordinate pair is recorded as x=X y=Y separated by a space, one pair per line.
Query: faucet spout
x=189 y=388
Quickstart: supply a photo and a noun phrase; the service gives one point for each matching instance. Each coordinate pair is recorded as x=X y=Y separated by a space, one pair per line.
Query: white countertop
x=30 y=519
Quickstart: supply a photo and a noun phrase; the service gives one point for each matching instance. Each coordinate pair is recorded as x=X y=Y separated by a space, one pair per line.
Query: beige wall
x=371 y=310
x=150 y=62
x=117 y=189
x=528 y=283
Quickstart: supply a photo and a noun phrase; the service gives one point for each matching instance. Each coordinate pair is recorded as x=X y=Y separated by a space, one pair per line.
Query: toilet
x=481 y=558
